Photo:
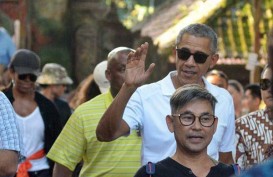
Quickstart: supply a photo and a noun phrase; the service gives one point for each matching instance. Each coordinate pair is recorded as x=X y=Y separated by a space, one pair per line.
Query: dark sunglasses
x=184 y=54
x=31 y=77
x=265 y=84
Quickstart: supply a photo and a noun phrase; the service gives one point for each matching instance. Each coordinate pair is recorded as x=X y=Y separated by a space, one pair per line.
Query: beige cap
x=54 y=73
x=100 y=78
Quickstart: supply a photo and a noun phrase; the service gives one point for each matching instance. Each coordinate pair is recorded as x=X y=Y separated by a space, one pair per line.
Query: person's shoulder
x=8 y=93
x=141 y=172
x=162 y=168
x=41 y=98
x=61 y=102
x=3 y=31
x=44 y=103
x=97 y=100
x=156 y=88
x=148 y=87
x=265 y=170
x=4 y=34
x=95 y=105
x=249 y=117
x=3 y=96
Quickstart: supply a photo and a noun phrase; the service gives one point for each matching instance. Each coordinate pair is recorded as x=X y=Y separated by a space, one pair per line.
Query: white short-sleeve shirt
x=148 y=107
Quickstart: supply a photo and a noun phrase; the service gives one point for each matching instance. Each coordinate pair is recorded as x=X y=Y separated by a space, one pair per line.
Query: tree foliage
x=133 y=11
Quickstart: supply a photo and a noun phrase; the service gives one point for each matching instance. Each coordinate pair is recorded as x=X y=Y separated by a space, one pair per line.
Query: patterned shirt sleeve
x=240 y=150
x=9 y=132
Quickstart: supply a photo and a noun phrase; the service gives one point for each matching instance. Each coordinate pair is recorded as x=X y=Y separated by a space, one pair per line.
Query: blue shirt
x=261 y=170
x=7 y=47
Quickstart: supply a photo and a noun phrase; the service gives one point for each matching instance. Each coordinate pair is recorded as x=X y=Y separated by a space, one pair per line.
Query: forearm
x=111 y=125
x=226 y=157
x=8 y=163
x=61 y=171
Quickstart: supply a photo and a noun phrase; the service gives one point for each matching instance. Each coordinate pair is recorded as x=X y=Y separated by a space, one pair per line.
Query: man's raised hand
x=135 y=74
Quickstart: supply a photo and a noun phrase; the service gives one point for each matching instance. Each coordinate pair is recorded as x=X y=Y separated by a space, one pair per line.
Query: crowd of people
x=196 y=121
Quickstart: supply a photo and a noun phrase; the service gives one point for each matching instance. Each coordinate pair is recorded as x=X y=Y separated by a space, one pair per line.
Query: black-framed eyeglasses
x=187 y=119
x=184 y=54
x=265 y=84
x=31 y=77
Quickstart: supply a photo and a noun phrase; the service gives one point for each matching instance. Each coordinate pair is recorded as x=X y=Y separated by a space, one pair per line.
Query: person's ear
x=214 y=59
x=215 y=125
x=169 y=121
x=108 y=75
x=11 y=73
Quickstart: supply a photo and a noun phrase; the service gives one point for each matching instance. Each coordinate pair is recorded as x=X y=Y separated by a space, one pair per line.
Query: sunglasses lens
x=200 y=57
x=183 y=54
x=22 y=76
x=265 y=84
x=31 y=77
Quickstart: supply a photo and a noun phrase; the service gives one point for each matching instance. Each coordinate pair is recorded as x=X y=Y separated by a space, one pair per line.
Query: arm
x=111 y=125
x=227 y=129
x=8 y=163
x=240 y=150
x=9 y=138
x=226 y=157
x=61 y=171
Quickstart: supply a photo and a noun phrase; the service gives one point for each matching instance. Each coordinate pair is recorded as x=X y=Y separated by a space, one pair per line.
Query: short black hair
x=255 y=90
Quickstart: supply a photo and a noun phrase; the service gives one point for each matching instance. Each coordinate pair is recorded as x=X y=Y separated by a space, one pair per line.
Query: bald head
x=114 y=54
x=116 y=66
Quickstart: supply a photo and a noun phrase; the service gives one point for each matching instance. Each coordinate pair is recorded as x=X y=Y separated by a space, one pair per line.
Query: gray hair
x=189 y=93
x=199 y=30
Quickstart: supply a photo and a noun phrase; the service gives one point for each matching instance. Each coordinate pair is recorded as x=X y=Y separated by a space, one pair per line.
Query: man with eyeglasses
x=146 y=106
x=254 y=130
x=37 y=117
x=193 y=124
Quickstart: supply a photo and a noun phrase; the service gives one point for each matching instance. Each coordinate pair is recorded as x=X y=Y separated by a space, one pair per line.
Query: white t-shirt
x=149 y=106
x=32 y=129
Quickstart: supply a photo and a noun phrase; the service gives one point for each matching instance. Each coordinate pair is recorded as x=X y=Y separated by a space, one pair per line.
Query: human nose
x=190 y=61
x=197 y=124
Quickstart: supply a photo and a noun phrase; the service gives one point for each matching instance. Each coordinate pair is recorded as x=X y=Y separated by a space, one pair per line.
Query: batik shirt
x=254 y=137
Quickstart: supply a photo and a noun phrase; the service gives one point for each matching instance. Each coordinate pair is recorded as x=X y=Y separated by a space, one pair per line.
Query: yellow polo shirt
x=78 y=141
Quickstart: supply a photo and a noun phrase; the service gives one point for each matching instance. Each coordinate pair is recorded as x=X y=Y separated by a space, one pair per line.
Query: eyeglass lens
x=187 y=119
x=31 y=77
x=265 y=84
x=199 y=57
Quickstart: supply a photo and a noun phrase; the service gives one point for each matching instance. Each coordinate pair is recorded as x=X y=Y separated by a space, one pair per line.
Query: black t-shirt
x=170 y=168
